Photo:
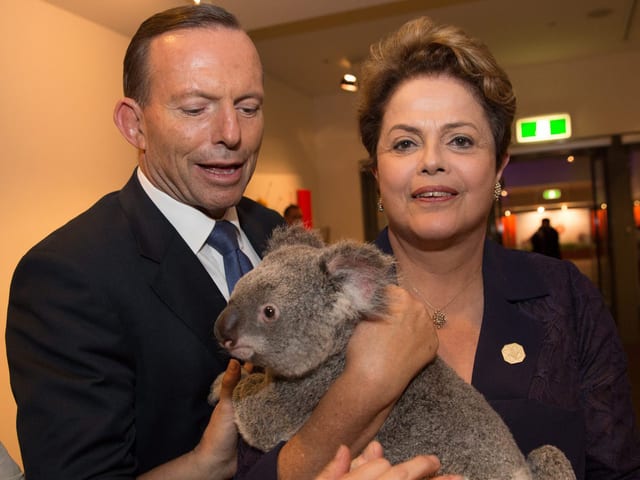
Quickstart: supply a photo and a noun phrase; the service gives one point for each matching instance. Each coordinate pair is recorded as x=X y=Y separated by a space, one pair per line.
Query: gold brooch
x=513 y=353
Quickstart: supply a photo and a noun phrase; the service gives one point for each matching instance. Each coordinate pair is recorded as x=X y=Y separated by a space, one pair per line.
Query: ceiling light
x=551 y=194
x=349 y=83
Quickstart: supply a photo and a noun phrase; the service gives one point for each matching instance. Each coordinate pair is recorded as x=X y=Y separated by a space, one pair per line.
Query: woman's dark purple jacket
x=571 y=390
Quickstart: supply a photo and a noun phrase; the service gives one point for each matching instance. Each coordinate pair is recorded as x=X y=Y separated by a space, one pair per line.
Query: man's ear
x=128 y=117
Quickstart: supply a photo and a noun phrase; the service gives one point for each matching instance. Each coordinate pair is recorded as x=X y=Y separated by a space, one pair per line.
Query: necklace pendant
x=439 y=319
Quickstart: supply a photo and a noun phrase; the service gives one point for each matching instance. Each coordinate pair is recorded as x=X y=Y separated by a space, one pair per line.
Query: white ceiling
x=308 y=44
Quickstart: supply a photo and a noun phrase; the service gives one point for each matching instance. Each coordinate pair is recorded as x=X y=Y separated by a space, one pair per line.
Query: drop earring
x=497 y=191
x=380 y=206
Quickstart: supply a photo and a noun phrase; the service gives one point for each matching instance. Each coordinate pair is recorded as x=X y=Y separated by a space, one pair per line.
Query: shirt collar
x=191 y=224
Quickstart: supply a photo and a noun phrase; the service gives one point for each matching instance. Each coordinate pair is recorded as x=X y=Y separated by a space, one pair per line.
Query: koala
x=293 y=315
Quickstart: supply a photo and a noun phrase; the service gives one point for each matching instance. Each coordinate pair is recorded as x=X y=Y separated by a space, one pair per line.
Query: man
x=110 y=317
x=292 y=214
x=546 y=240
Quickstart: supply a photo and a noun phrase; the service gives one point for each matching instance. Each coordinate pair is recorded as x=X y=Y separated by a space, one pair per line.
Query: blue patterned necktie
x=224 y=238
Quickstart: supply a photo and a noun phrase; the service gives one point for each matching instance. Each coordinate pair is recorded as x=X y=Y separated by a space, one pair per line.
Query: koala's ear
x=293 y=235
x=359 y=271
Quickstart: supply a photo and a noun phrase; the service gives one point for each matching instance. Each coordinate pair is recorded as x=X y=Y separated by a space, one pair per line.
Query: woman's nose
x=432 y=161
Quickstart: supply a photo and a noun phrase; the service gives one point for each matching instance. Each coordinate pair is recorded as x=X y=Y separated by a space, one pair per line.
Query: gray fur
x=317 y=294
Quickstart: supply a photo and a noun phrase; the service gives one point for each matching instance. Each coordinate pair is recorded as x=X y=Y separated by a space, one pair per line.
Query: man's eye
x=248 y=111
x=192 y=111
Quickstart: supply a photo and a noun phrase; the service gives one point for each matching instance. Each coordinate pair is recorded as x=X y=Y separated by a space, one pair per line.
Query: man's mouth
x=229 y=170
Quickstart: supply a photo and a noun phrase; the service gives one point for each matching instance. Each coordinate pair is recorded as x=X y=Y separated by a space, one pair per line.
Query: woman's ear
x=128 y=117
x=503 y=165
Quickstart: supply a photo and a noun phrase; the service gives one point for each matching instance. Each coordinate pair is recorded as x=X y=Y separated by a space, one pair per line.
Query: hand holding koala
x=294 y=315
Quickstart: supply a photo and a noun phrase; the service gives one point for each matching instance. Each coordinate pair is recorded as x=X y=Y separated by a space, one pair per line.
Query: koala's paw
x=549 y=463
x=216 y=386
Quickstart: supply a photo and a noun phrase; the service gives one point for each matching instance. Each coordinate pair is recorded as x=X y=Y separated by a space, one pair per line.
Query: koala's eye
x=268 y=313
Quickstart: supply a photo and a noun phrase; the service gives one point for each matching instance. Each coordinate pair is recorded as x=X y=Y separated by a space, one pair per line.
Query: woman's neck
x=452 y=262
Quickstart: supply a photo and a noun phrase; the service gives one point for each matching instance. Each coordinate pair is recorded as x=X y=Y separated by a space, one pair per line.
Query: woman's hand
x=387 y=352
x=371 y=465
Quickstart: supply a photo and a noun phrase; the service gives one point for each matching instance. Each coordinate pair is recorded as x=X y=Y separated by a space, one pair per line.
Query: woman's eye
x=462 y=142
x=403 y=145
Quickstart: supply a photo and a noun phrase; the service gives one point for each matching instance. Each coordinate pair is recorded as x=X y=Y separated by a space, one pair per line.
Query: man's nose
x=227 y=127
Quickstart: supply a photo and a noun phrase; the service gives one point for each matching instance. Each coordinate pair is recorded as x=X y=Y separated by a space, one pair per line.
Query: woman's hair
x=135 y=71
x=421 y=47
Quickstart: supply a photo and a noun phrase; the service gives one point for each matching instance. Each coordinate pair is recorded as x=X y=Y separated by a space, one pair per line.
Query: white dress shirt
x=194 y=227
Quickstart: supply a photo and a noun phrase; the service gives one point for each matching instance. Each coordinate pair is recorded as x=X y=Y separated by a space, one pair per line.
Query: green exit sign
x=543 y=128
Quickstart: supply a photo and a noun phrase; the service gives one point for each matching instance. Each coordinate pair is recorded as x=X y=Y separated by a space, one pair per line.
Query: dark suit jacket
x=109 y=340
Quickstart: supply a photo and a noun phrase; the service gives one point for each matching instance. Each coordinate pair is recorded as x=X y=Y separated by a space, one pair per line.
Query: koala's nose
x=225 y=328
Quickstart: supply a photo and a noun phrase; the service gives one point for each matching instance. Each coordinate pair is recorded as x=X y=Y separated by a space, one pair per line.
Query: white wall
x=338 y=153
x=60 y=150
x=286 y=158
x=600 y=93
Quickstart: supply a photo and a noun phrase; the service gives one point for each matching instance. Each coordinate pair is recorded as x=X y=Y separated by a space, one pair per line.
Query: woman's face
x=436 y=161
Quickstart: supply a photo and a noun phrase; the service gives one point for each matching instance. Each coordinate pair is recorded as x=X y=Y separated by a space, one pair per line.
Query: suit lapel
x=255 y=230
x=186 y=288
x=174 y=272
x=507 y=325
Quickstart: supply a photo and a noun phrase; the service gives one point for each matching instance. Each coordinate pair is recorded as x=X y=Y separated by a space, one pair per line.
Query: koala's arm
x=384 y=354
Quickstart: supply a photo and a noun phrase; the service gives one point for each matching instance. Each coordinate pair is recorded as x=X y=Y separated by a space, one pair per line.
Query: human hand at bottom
x=219 y=440
x=371 y=465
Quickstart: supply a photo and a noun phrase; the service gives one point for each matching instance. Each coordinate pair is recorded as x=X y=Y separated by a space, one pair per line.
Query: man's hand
x=371 y=465
x=217 y=448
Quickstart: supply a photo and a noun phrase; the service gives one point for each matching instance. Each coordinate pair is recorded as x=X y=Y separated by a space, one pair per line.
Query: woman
x=530 y=332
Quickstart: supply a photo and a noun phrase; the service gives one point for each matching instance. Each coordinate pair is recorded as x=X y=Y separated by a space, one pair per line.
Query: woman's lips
x=436 y=192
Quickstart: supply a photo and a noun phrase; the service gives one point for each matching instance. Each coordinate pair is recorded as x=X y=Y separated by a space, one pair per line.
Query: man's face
x=202 y=126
